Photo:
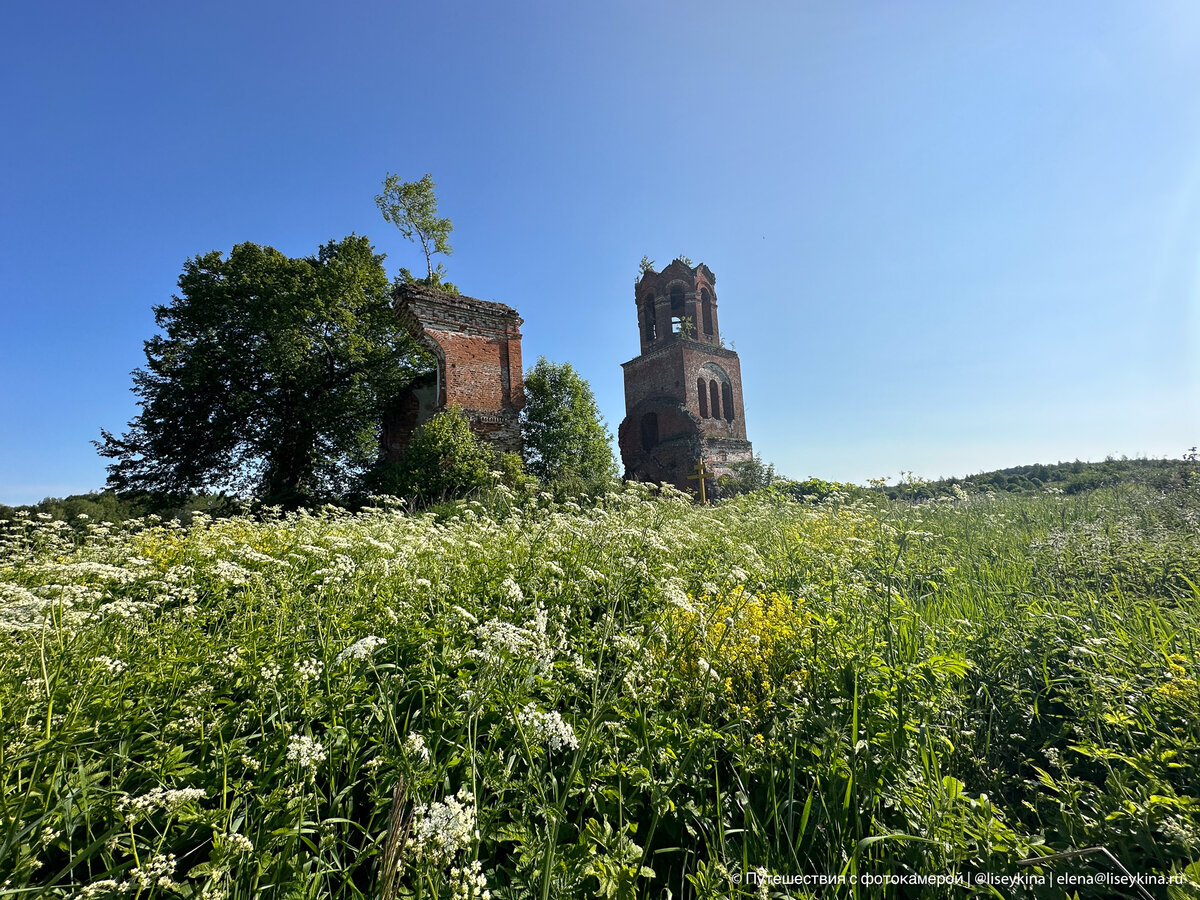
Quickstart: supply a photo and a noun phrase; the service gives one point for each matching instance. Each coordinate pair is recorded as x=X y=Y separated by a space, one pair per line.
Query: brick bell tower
x=683 y=393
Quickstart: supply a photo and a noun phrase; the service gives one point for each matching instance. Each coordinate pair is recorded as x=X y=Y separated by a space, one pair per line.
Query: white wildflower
x=156 y=872
x=763 y=880
x=237 y=843
x=415 y=747
x=582 y=669
x=157 y=798
x=677 y=596
x=21 y=609
x=592 y=575
x=627 y=644
x=310 y=669
x=306 y=751
x=441 y=829
x=231 y=572
x=1180 y=831
x=497 y=634
x=512 y=591
x=35 y=688
x=343 y=566
x=101 y=888
x=547 y=728
x=190 y=721
x=360 y=649
x=468 y=883
x=114 y=666
x=270 y=672
x=124 y=608
x=462 y=613
x=249 y=554
x=501 y=639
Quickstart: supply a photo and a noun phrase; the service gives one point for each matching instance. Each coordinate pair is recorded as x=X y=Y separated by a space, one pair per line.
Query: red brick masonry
x=477 y=344
x=670 y=425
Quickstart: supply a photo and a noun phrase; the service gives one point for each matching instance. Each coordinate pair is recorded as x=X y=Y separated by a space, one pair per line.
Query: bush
x=751 y=475
x=816 y=490
x=443 y=461
x=513 y=475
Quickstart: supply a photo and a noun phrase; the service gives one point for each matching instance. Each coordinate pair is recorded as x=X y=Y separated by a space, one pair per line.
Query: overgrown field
x=643 y=698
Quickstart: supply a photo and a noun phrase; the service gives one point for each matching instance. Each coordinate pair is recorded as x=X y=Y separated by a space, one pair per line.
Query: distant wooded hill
x=1068 y=477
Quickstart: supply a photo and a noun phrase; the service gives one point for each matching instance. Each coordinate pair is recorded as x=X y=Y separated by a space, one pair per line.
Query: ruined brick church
x=683 y=392
x=477 y=348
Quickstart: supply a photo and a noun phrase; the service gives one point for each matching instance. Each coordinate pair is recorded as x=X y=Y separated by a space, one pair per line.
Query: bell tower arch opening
x=648 y=324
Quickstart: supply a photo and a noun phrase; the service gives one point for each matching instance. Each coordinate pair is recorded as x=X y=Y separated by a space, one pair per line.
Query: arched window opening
x=714 y=399
x=702 y=393
x=676 y=309
x=648 y=318
x=676 y=300
x=706 y=310
x=649 y=430
x=727 y=400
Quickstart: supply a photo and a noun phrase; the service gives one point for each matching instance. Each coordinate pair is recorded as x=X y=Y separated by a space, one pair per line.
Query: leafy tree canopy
x=271 y=377
x=412 y=207
x=567 y=444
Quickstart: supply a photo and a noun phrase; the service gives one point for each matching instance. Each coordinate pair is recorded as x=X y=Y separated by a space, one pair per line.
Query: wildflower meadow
x=632 y=697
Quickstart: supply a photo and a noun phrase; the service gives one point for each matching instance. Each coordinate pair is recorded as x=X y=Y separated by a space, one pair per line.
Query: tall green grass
x=641 y=698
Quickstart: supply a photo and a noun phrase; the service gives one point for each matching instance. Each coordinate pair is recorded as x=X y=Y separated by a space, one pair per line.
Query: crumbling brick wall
x=477 y=346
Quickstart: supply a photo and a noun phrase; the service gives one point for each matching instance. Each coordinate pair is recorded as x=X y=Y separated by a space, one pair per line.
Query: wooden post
x=701 y=473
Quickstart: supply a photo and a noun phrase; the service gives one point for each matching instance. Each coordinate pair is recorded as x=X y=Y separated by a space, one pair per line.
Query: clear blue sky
x=947 y=236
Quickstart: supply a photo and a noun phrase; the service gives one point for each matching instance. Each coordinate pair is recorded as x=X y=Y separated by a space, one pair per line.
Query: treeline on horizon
x=1074 y=477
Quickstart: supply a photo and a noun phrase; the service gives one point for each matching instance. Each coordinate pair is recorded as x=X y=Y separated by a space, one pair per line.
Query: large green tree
x=567 y=444
x=271 y=376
